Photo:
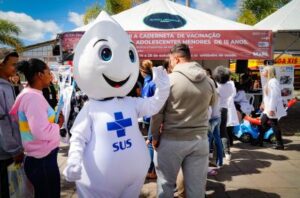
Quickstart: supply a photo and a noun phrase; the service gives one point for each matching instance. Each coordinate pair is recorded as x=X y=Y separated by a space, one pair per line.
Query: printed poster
x=285 y=76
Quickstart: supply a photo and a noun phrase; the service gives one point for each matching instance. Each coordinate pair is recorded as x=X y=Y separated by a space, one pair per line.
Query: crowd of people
x=197 y=118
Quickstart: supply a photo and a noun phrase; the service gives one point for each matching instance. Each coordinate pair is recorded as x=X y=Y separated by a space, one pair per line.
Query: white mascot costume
x=108 y=156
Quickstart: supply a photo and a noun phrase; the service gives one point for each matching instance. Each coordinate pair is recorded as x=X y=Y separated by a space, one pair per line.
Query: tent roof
x=284 y=19
x=133 y=19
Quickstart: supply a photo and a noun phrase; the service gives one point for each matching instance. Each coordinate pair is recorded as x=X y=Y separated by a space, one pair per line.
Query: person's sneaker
x=228 y=157
x=278 y=147
x=212 y=171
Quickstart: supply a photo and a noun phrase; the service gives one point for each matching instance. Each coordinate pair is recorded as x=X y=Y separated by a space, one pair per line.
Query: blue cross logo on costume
x=119 y=126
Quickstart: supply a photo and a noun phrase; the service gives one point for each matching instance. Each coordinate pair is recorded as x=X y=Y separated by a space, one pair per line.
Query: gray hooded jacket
x=185 y=115
x=10 y=139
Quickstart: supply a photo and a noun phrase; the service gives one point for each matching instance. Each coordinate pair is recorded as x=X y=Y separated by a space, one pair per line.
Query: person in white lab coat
x=272 y=107
x=232 y=116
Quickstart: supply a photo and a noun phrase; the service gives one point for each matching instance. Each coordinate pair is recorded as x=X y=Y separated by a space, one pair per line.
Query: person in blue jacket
x=148 y=90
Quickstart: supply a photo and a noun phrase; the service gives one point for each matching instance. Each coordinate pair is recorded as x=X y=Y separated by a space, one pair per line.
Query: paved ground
x=253 y=172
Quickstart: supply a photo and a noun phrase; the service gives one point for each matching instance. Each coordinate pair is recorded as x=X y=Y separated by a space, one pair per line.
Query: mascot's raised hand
x=160 y=77
x=108 y=156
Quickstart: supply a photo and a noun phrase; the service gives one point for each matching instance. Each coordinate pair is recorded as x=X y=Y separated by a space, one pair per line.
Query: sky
x=41 y=20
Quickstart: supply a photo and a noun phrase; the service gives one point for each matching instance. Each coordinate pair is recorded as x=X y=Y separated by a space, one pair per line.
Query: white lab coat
x=232 y=116
x=227 y=92
x=272 y=99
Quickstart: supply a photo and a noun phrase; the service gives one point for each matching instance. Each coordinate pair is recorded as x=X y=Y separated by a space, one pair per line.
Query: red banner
x=69 y=40
x=205 y=45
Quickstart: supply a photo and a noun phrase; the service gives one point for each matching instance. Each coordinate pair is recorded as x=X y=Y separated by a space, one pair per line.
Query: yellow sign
x=284 y=59
x=287 y=60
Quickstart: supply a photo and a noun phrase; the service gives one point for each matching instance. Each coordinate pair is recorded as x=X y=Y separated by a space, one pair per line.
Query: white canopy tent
x=285 y=24
x=155 y=26
x=133 y=19
x=284 y=19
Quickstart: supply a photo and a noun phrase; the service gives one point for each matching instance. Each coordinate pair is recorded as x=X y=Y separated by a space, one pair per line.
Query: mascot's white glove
x=72 y=172
x=161 y=78
x=155 y=103
x=80 y=136
x=151 y=105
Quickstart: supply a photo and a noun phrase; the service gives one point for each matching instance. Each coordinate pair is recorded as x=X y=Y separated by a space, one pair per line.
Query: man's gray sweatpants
x=192 y=156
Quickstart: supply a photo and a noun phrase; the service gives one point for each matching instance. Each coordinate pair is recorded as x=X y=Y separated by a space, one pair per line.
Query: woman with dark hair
x=40 y=135
x=226 y=91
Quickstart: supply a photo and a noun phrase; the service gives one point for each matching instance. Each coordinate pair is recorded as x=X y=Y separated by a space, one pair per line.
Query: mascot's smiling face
x=106 y=62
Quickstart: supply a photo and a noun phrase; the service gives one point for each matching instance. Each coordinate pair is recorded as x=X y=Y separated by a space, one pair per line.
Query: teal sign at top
x=164 y=21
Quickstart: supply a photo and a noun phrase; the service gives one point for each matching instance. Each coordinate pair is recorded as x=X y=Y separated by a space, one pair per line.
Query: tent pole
x=187 y=3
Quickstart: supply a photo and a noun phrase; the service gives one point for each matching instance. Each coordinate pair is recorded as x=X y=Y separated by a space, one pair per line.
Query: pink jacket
x=40 y=135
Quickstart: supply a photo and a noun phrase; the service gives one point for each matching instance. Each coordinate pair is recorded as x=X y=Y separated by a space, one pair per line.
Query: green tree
x=117 y=6
x=9 y=34
x=253 y=11
x=111 y=6
x=247 y=17
x=91 y=13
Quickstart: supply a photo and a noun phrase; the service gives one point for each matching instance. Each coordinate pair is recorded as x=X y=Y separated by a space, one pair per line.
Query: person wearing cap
x=10 y=140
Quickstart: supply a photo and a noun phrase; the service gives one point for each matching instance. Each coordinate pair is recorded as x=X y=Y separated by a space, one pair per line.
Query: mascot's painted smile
x=114 y=83
x=106 y=53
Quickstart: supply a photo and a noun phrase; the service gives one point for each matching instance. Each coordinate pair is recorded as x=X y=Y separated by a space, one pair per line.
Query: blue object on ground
x=246 y=132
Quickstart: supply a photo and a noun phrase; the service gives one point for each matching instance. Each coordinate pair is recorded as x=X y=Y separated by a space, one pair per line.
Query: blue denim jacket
x=148 y=91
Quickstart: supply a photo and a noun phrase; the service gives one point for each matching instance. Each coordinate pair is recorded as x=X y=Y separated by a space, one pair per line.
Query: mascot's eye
x=131 y=56
x=105 y=54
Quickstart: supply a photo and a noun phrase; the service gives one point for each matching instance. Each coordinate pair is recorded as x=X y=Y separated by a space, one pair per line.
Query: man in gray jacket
x=183 y=122
x=10 y=140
